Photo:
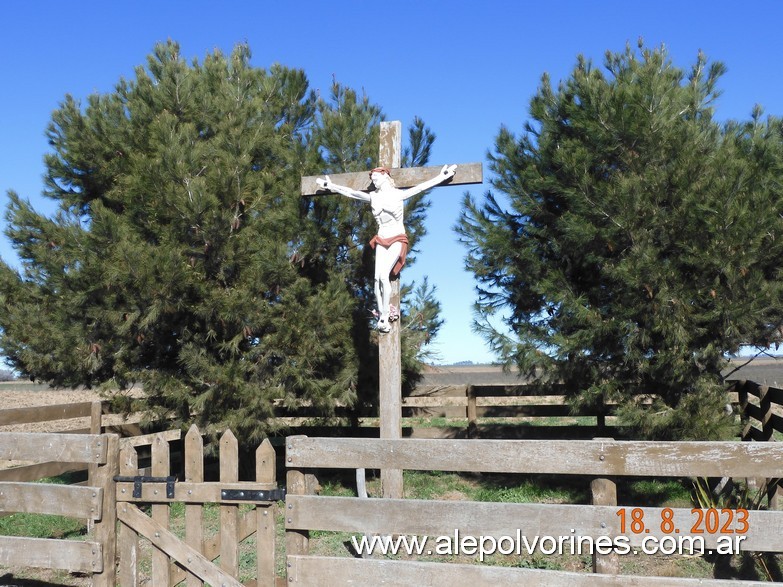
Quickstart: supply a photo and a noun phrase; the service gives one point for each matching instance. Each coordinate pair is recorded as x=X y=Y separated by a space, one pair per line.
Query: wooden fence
x=190 y=554
x=94 y=502
x=461 y=411
x=90 y=418
x=502 y=411
x=761 y=409
x=601 y=460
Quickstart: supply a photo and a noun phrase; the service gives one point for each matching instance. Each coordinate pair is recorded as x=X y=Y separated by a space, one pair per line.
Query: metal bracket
x=253 y=495
x=139 y=480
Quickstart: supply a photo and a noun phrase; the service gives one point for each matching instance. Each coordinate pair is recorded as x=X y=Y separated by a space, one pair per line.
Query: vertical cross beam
x=389 y=346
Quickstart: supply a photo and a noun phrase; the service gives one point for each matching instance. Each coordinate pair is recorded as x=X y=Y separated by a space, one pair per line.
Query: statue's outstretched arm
x=327 y=184
x=447 y=172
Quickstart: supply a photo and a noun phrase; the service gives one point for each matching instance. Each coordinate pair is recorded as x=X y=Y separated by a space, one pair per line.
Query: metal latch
x=253 y=495
x=138 y=480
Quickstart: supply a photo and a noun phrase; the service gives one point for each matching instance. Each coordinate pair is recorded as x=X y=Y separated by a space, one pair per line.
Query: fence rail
x=602 y=460
x=95 y=503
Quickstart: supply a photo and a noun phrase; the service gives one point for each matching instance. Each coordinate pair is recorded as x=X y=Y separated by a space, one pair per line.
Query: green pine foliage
x=632 y=241
x=183 y=259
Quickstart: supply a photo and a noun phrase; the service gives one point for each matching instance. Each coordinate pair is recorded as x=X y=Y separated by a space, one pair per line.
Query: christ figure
x=391 y=242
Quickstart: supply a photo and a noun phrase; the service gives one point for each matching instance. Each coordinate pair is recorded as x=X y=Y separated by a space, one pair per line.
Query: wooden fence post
x=297 y=542
x=742 y=401
x=105 y=530
x=604 y=492
x=765 y=406
x=471 y=411
x=266 y=514
x=96 y=409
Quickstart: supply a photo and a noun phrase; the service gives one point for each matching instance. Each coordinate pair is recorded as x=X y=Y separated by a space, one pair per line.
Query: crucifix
x=393 y=184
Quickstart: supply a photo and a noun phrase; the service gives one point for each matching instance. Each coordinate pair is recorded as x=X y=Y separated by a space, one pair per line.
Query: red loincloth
x=387 y=242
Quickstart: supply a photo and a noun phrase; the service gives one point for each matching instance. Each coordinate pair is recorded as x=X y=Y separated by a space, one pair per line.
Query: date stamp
x=703 y=521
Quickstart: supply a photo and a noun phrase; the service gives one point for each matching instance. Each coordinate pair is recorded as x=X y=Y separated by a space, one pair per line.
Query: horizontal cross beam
x=404 y=177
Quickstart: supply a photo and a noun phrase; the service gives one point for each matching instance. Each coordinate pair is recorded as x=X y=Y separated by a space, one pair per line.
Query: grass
x=44 y=525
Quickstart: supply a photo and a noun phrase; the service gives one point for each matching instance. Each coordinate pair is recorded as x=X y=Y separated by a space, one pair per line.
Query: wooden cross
x=390 y=352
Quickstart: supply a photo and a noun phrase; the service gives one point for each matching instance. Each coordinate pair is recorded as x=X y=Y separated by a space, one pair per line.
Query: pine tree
x=637 y=242
x=182 y=258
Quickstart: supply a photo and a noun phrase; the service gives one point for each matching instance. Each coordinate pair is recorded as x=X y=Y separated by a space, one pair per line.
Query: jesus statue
x=391 y=242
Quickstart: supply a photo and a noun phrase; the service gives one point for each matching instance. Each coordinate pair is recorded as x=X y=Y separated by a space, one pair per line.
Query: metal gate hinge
x=139 y=480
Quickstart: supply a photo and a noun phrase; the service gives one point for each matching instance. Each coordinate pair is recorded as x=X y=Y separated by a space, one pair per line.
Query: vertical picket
x=194 y=513
x=128 y=540
x=229 y=514
x=265 y=517
x=161 y=467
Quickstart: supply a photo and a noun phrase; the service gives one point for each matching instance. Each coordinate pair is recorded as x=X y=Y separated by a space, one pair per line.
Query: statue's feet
x=383 y=325
x=394 y=313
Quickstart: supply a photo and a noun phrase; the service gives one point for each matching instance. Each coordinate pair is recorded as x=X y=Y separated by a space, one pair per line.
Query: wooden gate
x=185 y=549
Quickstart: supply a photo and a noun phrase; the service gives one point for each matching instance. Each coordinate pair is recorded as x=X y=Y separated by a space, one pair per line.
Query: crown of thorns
x=380 y=170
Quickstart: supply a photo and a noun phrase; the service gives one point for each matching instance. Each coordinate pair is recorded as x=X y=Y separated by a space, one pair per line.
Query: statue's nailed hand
x=323 y=183
x=448 y=171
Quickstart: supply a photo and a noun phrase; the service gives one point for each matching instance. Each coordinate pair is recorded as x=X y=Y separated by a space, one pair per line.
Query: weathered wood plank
x=604 y=493
x=506 y=432
x=189 y=492
x=296 y=541
x=148 y=439
x=161 y=514
x=229 y=514
x=433 y=401
x=57 y=500
x=105 y=529
x=194 y=516
x=439 y=391
x=39 y=471
x=167 y=542
x=775 y=395
x=310 y=570
x=389 y=345
x=440 y=518
x=574 y=457
x=35 y=414
x=69 y=555
x=776 y=422
x=265 y=518
x=404 y=177
x=96 y=412
x=127 y=538
x=41 y=446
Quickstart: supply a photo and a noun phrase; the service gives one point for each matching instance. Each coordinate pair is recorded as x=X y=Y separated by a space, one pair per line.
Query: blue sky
x=465 y=67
